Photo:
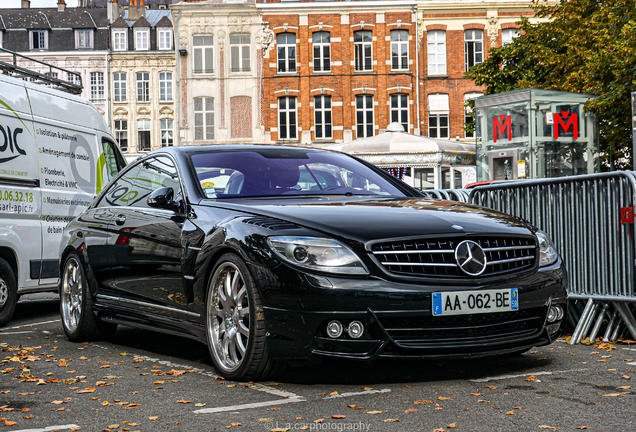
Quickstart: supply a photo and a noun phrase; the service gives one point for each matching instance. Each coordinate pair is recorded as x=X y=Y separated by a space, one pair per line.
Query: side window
x=114 y=161
x=134 y=187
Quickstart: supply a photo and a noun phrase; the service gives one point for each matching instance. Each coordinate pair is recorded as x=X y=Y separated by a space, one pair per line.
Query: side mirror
x=162 y=198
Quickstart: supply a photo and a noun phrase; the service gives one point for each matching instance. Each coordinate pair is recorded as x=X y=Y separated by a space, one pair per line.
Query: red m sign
x=572 y=120
x=497 y=126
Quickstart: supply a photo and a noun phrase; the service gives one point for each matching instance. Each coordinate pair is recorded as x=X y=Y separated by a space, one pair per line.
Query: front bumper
x=398 y=320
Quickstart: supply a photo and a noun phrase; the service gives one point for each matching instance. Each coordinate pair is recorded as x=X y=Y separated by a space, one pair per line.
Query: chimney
x=112 y=10
x=26 y=4
x=61 y=5
x=136 y=10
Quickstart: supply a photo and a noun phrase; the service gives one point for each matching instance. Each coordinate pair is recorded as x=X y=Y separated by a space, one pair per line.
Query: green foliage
x=581 y=46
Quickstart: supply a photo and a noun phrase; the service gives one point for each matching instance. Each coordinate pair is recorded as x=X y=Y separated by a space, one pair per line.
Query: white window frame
x=143 y=86
x=120 y=87
x=164 y=39
x=142 y=39
x=120 y=40
x=287 y=62
x=398 y=51
x=436 y=43
x=468 y=114
x=166 y=130
x=473 y=47
x=97 y=87
x=287 y=129
x=363 y=127
x=143 y=126
x=165 y=86
x=321 y=42
x=73 y=78
x=361 y=61
x=203 y=50
x=203 y=129
x=42 y=37
x=240 y=52
x=84 y=38
x=507 y=35
x=438 y=109
x=120 y=128
x=323 y=117
x=397 y=111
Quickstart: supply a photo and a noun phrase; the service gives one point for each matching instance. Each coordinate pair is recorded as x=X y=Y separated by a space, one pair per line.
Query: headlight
x=547 y=252
x=321 y=254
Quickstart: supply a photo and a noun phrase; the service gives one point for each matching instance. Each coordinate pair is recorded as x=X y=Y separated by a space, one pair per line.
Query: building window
x=143 y=135
x=363 y=50
x=322 y=117
x=240 y=52
x=438 y=110
x=203 y=54
x=142 y=40
x=84 y=39
x=473 y=47
x=143 y=87
x=165 y=86
x=286 y=44
x=322 y=51
x=167 y=133
x=165 y=39
x=469 y=121
x=436 y=41
x=364 y=116
x=507 y=35
x=74 y=77
x=39 y=39
x=203 y=118
x=287 y=118
x=120 y=40
x=119 y=86
x=97 y=87
x=399 y=49
x=121 y=134
x=400 y=110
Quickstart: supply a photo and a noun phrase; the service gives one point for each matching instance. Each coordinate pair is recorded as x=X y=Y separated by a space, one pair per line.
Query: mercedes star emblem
x=470 y=258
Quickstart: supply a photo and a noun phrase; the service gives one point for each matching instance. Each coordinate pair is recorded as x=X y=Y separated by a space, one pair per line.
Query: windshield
x=254 y=173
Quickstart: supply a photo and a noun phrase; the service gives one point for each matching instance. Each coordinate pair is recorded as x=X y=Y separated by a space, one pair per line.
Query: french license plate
x=473 y=302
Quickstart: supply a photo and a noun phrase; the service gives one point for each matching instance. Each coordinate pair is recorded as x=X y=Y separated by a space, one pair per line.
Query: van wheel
x=76 y=302
x=8 y=292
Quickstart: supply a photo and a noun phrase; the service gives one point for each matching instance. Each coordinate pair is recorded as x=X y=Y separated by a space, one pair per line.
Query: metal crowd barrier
x=590 y=220
x=460 y=195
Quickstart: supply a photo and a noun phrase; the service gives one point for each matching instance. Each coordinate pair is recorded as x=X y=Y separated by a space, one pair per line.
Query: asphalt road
x=145 y=381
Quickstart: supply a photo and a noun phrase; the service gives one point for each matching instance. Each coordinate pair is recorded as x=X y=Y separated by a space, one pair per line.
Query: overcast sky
x=35 y=3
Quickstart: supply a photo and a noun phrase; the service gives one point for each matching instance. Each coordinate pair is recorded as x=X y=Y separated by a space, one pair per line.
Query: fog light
x=552 y=314
x=560 y=312
x=334 y=329
x=356 y=328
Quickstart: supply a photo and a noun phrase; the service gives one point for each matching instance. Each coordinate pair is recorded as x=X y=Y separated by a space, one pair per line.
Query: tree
x=581 y=46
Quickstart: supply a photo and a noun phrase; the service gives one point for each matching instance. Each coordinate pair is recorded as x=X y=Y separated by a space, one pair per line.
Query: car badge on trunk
x=471 y=258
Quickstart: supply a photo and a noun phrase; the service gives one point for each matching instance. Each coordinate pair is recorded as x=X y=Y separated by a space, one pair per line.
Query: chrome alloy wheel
x=71 y=295
x=4 y=292
x=228 y=317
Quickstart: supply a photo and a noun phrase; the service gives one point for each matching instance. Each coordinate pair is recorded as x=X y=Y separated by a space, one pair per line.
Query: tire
x=235 y=324
x=76 y=303
x=8 y=292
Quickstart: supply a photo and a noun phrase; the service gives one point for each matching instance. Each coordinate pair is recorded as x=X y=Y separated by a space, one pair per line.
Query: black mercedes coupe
x=273 y=254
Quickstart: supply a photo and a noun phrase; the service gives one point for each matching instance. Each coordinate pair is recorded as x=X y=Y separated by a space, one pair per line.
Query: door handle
x=120 y=219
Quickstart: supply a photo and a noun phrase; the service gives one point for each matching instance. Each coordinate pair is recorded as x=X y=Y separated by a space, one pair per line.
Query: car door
x=144 y=243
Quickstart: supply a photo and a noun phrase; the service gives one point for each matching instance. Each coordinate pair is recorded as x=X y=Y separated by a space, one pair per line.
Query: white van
x=56 y=154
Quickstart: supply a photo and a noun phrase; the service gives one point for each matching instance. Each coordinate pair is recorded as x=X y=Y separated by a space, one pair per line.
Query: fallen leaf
x=546 y=427
x=374 y=412
x=338 y=416
x=159 y=382
x=623 y=388
x=626 y=377
x=62 y=363
x=443 y=398
x=355 y=406
x=367 y=388
x=423 y=402
x=317 y=421
x=87 y=390
x=581 y=427
x=10 y=423
x=58 y=402
x=390 y=420
x=510 y=413
x=199 y=405
x=531 y=378
x=153 y=418
x=476 y=394
x=184 y=401
x=451 y=426
x=114 y=426
x=491 y=387
x=612 y=395
x=265 y=420
x=410 y=410
x=333 y=393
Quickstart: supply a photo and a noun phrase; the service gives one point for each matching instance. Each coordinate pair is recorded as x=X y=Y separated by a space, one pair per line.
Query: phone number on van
x=16 y=196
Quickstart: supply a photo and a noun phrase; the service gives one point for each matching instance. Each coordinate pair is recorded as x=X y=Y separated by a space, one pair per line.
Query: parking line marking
x=341 y=395
x=249 y=406
x=49 y=428
x=34 y=324
x=505 y=377
x=20 y=332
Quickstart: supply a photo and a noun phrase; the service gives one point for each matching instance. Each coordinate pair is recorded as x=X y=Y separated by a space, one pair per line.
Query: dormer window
x=84 y=39
x=39 y=39
x=120 y=40
x=165 y=38
x=142 y=39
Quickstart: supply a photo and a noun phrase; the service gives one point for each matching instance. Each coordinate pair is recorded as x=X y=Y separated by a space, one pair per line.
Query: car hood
x=373 y=219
